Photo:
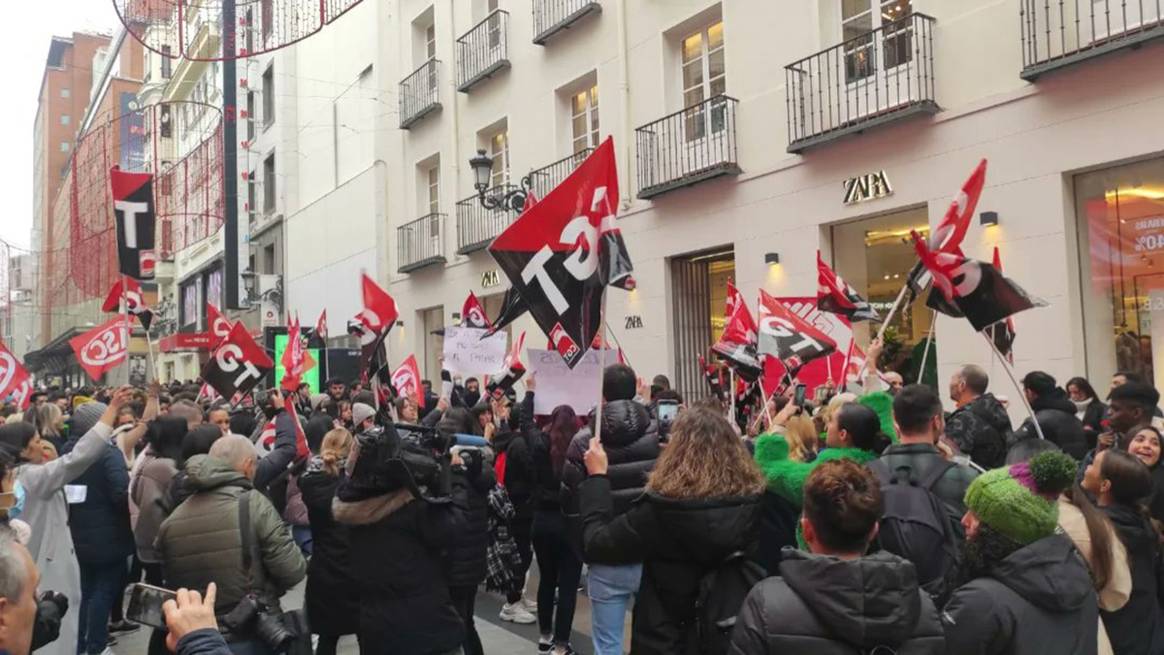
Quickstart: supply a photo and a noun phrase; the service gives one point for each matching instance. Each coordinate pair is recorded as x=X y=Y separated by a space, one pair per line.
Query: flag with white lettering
x=561 y=254
x=978 y=291
x=406 y=381
x=836 y=296
x=237 y=364
x=737 y=344
x=14 y=379
x=133 y=211
x=216 y=325
x=127 y=290
x=473 y=314
x=103 y=347
x=948 y=236
x=788 y=337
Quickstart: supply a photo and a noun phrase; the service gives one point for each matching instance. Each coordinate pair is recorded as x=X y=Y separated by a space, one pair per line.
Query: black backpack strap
x=245 y=533
x=935 y=473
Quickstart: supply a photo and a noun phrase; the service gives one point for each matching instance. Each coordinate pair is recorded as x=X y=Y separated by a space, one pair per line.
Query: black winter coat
x=980 y=428
x=1093 y=421
x=332 y=598
x=519 y=474
x=405 y=608
x=678 y=542
x=828 y=606
x=465 y=559
x=1056 y=415
x=1138 y=627
x=1038 y=600
x=631 y=440
x=777 y=529
x=100 y=525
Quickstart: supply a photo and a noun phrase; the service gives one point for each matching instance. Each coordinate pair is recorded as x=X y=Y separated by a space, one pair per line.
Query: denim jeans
x=99 y=586
x=611 y=589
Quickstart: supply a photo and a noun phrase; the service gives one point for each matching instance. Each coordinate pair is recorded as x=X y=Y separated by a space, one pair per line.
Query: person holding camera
x=226 y=522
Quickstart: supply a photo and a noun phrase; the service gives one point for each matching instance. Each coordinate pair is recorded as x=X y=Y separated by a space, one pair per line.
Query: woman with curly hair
x=700 y=507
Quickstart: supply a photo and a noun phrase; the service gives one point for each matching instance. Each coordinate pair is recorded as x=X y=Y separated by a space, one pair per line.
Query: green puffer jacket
x=786 y=476
x=200 y=542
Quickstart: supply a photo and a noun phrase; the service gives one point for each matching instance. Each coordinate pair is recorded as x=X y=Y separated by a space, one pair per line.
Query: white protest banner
x=466 y=353
x=558 y=384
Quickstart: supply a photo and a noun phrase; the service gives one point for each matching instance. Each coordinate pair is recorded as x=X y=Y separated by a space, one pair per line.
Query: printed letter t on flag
x=237 y=364
x=133 y=211
x=103 y=347
x=561 y=253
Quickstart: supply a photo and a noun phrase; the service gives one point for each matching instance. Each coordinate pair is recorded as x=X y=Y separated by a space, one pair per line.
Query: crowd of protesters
x=867 y=521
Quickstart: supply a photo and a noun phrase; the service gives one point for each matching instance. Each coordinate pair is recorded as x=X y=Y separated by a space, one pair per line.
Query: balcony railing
x=1058 y=33
x=421 y=242
x=875 y=78
x=689 y=146
x=544 y=179
x=477 y=226
x=482 y=51
x=420 y=93
x=553 y=16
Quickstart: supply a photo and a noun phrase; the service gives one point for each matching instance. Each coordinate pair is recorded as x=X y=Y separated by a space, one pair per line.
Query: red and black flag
x=133 y=210
x=711 y=376
x=948 y=235
x=375 y=321
x=836 y=296
x=737 y=344
x=473 y=314
x=406 y=381
x=127 y=290
x=560 y=254
x=512 y=307
x=1002 y=333
x=237 y=363
x=974 y=288
x=788 y=337
x=499 y=385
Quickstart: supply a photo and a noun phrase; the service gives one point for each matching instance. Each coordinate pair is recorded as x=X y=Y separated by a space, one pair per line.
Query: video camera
x=404 y=455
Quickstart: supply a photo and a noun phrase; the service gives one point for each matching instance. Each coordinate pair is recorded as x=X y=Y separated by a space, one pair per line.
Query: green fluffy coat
x=786 y=476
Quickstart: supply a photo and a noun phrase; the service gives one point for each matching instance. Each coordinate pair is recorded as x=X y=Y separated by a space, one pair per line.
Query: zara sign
x=869 y=186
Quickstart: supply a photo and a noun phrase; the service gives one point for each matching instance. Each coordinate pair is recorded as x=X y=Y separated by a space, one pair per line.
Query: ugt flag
x=788 y=337
x=237 y=363
x=836 y=296
x=133 y=210
x=561 y=254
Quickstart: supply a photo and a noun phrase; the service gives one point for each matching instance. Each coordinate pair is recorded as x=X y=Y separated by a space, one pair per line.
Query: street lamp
x=512 y=199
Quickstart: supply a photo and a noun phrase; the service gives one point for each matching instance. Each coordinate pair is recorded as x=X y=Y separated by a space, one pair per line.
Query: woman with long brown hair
x=700 y=507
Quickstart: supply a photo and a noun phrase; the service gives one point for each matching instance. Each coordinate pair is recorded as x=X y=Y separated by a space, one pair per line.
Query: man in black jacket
x=834 y=599
x=630 y=438
x=980 y=424
x=1055 y=414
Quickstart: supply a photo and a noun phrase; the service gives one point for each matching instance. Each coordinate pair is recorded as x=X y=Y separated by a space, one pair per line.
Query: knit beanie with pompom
x=1019 y=500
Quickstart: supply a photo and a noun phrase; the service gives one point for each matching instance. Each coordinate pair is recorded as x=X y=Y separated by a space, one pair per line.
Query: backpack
x=915 y=524
x=721 y=595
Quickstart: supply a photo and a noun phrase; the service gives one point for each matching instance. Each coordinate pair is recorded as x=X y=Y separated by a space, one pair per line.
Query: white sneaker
x=515 y=613
x=529 y=605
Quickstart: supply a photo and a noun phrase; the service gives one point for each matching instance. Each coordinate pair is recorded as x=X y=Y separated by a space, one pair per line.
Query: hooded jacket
x=826 y=606
x=1039 y=599
x=1056 y=416
x=980 y=429
x=631 y=440
x=678 y=542
x=396 y=545
x=201 y=542
x=1138 y=627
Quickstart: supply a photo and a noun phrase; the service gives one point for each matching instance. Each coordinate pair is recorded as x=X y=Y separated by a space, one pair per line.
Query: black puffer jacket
x=331 y=599
x=824 y=605
x=465 y=558
x=980 y=429
x=678 y=542
x=1138 y=627
x=1037 y=600
x=631 y=440
x=1056 y=415
x=519 y=474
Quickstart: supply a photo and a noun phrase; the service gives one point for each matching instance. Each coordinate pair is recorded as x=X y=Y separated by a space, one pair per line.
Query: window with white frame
x=584 y=119
x=859 y=18
x=499 y=151
x=430 y=41
x=704 y=77
x=269 y=96
x=434 y=188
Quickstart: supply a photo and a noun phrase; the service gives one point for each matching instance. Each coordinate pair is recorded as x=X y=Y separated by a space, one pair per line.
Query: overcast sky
x=25 y=46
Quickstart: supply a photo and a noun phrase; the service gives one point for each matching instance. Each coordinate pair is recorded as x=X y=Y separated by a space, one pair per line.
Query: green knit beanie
x=1019 y=501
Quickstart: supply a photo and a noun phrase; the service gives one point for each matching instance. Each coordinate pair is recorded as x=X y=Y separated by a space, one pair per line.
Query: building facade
x=750 y=136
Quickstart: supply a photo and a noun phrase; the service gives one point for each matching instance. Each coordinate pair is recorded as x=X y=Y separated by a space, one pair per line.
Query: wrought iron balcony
x=476 y=225
x=1059 y=33
x=420 y=93
x=553 y=16
x=483 y=51
x=687 y=147
x=875 y=78
x=544 y=179
x=420 y=243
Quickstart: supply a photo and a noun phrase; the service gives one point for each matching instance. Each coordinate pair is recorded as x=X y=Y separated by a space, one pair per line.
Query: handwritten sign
x=557 y=384
x=466 y=353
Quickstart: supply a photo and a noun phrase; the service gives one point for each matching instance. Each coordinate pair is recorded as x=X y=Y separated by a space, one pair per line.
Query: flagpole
x=616 y=341
x=1010 y=372
x=602 y=362
x=884 y=326
x=125 y=316
x=845 y=366
x=732 y=384
x=926 y=352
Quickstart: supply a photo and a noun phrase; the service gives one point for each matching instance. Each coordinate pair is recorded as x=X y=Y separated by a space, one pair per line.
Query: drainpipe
x=625 y=132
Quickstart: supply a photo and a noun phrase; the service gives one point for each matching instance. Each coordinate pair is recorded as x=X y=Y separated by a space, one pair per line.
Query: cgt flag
x=473 y=314
x=103 y=347
x=321 y=325
x=406 y=381
x=737 y=344
x=512 y=307
x=836 y=296
x=14 y=379
x=380 y=311
x=514 y=370
x=789 y=338
x=133 y=211
x=127 y=289
x=560 y=254
x=237 y=364
x=976 y=289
